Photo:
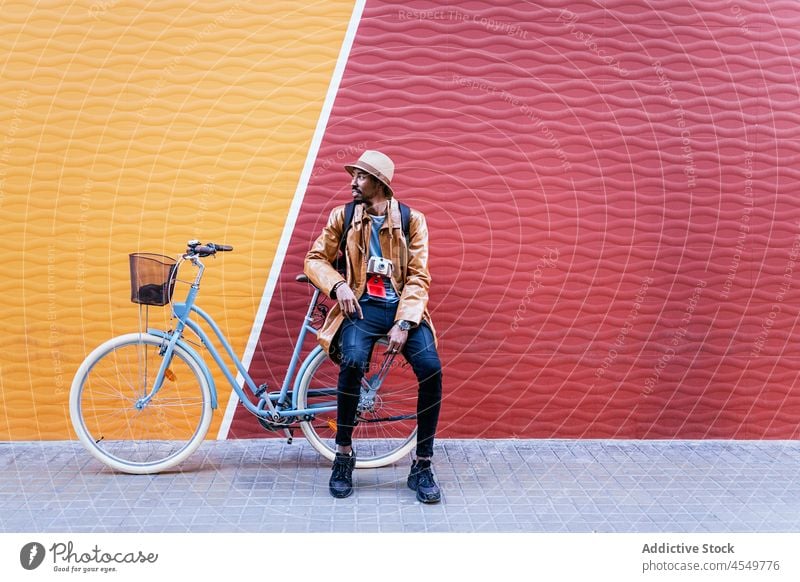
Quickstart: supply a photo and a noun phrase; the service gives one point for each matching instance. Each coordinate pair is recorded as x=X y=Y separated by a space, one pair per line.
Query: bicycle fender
x=298 y=377
x=192 y=352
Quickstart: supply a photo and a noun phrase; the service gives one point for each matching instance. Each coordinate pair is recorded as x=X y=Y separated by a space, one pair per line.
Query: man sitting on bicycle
x=384 y=293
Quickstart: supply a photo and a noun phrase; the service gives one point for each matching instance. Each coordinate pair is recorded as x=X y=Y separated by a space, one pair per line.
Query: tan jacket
x=410 y=278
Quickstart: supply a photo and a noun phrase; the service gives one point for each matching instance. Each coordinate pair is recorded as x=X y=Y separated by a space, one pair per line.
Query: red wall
x=612 y=198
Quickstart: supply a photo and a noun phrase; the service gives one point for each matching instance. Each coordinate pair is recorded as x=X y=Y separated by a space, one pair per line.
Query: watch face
x=404 y=325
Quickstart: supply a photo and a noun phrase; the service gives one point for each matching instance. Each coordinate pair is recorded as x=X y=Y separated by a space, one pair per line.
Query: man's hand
x=397 y=339
x=348 y=302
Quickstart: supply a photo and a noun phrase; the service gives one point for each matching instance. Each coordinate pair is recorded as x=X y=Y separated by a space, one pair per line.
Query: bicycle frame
x=276 y=409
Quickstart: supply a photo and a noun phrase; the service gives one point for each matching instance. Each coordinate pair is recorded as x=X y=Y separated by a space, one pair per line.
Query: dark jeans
x=357 y=337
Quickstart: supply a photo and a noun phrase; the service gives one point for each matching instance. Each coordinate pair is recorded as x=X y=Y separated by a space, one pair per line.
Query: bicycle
x=143 y=402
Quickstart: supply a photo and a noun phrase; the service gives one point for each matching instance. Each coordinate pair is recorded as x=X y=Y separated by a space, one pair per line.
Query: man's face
x=365 y=188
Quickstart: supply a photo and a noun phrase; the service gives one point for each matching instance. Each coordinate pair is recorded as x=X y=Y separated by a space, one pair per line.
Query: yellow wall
x=135 y=126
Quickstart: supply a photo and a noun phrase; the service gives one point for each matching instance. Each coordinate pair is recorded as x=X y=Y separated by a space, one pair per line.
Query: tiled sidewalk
x=488 y=486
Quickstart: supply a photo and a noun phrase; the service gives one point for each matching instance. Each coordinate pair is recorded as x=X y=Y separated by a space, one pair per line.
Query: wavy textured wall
x=128 y=126
x=611 y=192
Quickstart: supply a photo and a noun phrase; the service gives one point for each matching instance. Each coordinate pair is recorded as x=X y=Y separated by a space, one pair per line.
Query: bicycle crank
x=275 y=425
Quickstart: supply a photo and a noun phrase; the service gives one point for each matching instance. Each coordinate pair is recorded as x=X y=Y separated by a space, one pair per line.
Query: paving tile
x=488 y=486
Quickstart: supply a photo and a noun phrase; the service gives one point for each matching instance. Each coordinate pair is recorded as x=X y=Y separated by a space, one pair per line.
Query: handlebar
x=195 y=249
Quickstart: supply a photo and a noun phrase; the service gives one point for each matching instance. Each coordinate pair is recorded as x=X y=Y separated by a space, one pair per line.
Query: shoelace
x=341 y=469
x=425 y=477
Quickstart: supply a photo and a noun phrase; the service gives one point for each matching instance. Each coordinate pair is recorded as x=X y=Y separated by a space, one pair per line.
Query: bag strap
x=405 y=221
x=349 y=210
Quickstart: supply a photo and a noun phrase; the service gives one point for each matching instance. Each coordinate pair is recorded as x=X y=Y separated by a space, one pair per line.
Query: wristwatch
x=403 y=325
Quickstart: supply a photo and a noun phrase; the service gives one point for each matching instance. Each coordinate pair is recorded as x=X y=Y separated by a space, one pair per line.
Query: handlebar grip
x=211 y=249
x=206 y=250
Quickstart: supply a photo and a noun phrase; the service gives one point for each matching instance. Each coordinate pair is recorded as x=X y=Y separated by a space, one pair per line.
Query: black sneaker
x=420 y=479
x=341 y=483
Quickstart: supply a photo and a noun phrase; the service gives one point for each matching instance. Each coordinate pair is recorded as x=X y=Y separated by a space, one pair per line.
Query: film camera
x=379 y=266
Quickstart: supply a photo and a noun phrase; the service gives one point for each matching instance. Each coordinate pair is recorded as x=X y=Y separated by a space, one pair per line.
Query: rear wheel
x=386 y=423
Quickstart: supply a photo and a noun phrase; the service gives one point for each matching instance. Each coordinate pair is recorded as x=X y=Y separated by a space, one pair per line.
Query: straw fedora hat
x=376 y=164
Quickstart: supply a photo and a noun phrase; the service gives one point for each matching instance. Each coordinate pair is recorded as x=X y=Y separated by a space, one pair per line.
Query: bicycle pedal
x=290 y=436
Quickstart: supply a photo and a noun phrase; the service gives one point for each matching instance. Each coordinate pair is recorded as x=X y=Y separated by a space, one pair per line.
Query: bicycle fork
x=167 y=352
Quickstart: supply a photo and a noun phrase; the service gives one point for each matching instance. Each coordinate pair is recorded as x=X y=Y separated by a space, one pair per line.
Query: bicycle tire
x=140 y=441
x=377 y=442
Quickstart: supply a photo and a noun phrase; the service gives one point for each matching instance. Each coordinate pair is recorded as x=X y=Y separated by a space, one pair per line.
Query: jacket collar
x=360 y=215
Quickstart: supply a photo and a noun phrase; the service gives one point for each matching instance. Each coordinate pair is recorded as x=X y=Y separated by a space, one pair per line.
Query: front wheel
x=386 y=423
x=114 y=423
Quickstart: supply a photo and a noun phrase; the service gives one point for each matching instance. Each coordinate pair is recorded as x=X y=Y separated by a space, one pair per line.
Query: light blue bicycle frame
x=276 y=406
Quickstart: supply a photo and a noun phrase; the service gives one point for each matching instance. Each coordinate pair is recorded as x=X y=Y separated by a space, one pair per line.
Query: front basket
x=152 y=278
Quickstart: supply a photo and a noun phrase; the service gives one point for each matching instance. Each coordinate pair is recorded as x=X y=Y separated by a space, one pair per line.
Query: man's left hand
x=397 y=339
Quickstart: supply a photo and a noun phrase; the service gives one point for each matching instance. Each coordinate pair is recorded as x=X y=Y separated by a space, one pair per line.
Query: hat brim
x=369 y=170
